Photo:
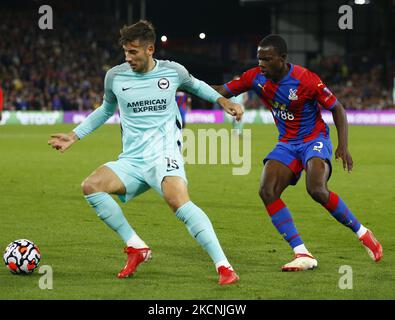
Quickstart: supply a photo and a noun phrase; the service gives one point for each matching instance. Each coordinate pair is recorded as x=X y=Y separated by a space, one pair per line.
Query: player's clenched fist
x=233 y=109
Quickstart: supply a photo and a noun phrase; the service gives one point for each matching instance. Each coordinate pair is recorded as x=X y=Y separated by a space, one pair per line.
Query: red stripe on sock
x=333 y=201
x=293 y=237
x=275 y=207
x=282 y=223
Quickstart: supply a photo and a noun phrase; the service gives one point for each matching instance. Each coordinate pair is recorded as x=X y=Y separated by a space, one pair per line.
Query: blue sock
x=200 y=227
x=282 y=220
x=341 y=213
x=111 y=213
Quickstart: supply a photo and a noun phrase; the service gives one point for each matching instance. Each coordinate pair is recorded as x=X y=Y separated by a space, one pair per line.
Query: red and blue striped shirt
x=293 y=101
x=182 y=100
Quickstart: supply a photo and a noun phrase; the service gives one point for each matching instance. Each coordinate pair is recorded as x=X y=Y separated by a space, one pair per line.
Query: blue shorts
x=295 y=156
x=137 y=180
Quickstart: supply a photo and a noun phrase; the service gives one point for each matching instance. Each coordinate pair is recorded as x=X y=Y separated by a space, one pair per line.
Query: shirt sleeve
x=321 y=92
x=95 y=119
x=101 y=114
x=109 y=95
x=243 y=84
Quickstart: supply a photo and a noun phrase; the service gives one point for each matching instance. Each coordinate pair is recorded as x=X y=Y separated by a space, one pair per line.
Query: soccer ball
x=22 y=256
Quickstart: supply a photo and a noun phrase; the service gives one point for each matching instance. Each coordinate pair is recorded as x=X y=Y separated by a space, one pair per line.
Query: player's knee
x=268 y=195
x=175 y=192
x=318 y=193
x=89 y=186
x=173 y=205
x=176 y=202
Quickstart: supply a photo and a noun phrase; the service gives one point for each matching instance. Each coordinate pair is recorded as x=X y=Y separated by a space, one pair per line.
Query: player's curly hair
x=277 y=42
x=142 y=30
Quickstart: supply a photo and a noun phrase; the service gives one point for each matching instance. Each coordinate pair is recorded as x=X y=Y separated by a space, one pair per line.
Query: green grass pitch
x=41 y=200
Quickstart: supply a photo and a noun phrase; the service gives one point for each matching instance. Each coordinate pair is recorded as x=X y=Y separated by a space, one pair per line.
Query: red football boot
x=135 y=257
x=226 y=276
x=372 y=246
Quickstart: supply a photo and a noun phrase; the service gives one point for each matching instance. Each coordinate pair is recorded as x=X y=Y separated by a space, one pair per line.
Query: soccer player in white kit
x=144 y=90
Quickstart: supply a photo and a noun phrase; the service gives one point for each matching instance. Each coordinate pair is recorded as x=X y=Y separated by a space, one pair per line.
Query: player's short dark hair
x=142 y=30
x=277 y=42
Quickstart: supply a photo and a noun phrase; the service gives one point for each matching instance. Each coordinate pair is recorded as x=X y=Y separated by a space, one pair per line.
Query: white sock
x=301 y=249
x=361 y=231
x=224 y=263
x=136 y=242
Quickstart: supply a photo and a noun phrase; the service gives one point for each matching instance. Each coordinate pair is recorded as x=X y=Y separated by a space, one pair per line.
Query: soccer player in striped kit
x=293 y=94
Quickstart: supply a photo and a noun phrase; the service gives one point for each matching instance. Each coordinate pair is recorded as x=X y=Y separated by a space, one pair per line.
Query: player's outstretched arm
x=222 y=90
x=62 y=141
x=340 y=120
x=209 y=93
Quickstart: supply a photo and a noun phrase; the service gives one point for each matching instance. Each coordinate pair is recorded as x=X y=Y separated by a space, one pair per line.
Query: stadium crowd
x=59 y=69
x=64 y=68
x=359 y=83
